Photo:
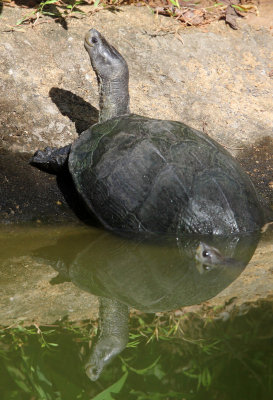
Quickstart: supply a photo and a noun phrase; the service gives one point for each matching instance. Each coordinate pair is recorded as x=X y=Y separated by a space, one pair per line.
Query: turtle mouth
x=198 y=252
x=87 y=41
x=92 y=372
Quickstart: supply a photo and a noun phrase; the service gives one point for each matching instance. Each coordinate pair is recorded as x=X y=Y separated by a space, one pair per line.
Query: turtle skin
x=138 y=174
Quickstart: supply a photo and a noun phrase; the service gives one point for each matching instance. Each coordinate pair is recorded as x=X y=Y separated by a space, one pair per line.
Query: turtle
x=138 y=174
x=150 y=274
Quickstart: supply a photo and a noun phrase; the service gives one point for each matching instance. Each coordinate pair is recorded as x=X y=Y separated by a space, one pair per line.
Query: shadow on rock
x=29 y=195
x=257 y=161
x=83 y=115
x=75 y=108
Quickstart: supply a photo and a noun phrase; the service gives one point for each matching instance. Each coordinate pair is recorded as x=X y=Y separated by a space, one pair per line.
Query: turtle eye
x=94 y=40
x=205 y=253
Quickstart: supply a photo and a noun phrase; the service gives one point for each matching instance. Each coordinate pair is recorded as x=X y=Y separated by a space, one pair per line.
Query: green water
x=215 y=353
x=226 y=362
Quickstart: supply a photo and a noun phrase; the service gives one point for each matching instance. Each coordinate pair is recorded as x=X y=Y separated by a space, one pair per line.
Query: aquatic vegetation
x=169 y=356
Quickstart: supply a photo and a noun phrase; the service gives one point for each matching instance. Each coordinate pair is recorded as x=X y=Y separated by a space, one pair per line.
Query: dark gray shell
x=140 y=174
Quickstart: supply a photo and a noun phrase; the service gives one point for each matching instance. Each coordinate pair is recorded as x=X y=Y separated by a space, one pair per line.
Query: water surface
x=217 y=353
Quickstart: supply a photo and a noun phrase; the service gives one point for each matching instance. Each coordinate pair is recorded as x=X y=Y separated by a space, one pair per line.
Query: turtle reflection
x=149 y=274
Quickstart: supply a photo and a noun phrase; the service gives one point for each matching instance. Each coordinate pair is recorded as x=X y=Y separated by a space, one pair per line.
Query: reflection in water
x=150 y=274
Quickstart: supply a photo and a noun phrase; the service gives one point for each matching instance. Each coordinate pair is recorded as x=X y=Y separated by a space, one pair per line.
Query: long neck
x=114 y=98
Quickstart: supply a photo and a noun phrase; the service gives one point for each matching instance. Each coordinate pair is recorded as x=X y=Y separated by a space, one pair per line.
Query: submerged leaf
x=115 y=388
x=144 y=370
x=18 y=378
x=42 y=377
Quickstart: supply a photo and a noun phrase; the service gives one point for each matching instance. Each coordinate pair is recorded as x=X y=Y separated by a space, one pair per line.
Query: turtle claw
x=41 y=156
x=51 y=159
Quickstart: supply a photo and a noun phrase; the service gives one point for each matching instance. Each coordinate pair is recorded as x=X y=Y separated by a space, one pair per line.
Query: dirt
x=262 y=17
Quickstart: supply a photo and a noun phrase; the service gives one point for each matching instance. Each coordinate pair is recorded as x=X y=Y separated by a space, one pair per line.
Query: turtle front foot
x=51 y=159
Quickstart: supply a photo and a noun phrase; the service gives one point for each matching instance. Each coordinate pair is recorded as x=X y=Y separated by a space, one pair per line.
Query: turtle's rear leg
x=51 y=159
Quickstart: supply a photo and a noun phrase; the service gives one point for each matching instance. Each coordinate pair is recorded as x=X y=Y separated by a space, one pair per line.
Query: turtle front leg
x=51 y=159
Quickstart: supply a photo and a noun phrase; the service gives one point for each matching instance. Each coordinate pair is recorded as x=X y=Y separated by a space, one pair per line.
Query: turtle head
x=106 y=61
x=112 y=73
x=106 y=348
x=207 y=256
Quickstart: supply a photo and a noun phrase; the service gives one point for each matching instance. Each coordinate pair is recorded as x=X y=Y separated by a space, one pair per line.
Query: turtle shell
x=140 y=174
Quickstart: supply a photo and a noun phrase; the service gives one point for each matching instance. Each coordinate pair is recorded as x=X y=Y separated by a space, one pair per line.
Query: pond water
x=53 y=347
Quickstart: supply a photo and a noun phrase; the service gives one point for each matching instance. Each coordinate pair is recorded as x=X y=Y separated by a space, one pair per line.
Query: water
x=221 y=349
